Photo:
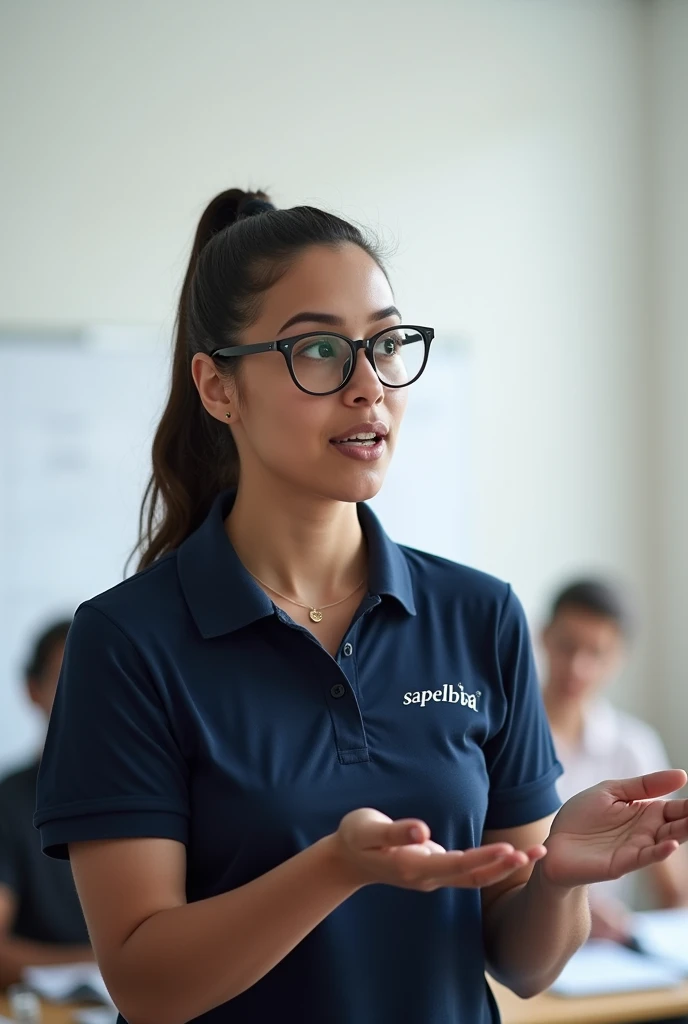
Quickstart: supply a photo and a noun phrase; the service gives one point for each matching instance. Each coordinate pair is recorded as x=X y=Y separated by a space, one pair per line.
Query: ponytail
x=242 y=247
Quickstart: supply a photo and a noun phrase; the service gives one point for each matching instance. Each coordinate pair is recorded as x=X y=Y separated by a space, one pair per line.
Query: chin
x=354 y=487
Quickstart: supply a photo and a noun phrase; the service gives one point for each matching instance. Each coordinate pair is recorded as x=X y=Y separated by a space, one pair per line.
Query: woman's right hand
x=375 y=849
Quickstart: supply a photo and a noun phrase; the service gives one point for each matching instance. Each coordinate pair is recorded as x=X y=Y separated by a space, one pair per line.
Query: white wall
x=501 y=144
x=669 y=348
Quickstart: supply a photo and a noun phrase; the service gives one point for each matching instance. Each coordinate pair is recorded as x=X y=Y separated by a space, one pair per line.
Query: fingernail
x=416 y=834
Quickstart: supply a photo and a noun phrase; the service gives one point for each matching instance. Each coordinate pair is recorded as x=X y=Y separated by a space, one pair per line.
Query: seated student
x=585 y=641
x=40 y=916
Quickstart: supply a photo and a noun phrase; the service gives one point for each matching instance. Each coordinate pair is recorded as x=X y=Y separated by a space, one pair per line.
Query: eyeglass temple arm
x=242 y=350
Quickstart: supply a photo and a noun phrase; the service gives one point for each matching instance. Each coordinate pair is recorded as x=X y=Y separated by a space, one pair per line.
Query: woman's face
x=282 y=432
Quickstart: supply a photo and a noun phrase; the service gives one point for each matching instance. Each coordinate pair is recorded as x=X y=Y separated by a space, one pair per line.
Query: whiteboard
x=77 y=416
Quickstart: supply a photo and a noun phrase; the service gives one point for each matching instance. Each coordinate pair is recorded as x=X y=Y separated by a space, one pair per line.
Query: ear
x=217 y=393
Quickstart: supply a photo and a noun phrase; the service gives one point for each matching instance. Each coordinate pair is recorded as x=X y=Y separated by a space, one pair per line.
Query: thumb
x=648 y=787
x=374 y=830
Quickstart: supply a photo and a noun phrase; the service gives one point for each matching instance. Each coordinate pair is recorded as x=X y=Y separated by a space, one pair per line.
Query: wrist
x=559 y=892
x=337 y=865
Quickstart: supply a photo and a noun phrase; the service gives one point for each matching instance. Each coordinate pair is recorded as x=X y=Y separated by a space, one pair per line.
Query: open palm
x=616 y=827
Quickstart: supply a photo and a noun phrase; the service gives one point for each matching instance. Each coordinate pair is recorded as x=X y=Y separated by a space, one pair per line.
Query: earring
x=228 y=415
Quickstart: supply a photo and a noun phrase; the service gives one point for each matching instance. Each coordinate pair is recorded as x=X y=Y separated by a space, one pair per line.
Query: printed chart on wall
x=77 y=415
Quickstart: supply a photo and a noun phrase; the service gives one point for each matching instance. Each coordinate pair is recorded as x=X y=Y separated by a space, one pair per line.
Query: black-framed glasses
x=321 y=362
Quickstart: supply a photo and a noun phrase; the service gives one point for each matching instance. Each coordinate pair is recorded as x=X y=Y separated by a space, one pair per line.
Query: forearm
x=531 y=933
x=182 y=962
x=17 y=954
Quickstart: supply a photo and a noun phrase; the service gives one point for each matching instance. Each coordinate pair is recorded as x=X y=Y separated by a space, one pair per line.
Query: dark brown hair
x=604 y=598
x=242 y=247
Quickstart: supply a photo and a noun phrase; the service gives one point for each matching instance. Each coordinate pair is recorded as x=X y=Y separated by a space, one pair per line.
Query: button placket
x=345 y=713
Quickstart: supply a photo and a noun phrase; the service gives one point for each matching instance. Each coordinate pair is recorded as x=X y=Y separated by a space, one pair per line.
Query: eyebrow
x=308 y=317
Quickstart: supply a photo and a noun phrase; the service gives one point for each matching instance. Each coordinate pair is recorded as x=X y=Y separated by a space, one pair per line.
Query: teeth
x=362 y=437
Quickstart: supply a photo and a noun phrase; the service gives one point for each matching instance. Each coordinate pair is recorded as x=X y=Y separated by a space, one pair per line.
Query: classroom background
x=526 y=164
x=527 y=160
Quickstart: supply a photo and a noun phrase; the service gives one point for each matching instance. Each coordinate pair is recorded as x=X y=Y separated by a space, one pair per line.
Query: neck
x=566 y=716
x=300 y=544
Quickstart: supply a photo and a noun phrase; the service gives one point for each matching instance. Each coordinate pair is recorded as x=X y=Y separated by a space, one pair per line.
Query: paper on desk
x=664 y=934
x=601 y=967
x=95 y=1015
x=68 y=983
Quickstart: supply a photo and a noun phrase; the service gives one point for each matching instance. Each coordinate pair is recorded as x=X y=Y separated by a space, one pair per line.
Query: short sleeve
x=521 y=762
x=111 y=768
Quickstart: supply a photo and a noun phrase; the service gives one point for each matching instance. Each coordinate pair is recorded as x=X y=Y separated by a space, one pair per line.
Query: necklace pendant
x=315 y=615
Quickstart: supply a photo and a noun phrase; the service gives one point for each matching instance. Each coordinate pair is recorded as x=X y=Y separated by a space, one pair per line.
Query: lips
x=364 y=434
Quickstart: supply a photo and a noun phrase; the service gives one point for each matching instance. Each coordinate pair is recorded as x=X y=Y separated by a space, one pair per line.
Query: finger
x=412 y=850
x=375 y=830
x=434 y=847
x=490 y=874
x=655 y=854
x=462 y=865
x=674 y=809
x=647 y=787
x=444 y=865
x=677 y=830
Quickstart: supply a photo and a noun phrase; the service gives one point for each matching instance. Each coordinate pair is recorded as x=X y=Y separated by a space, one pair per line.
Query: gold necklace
x=314 y=614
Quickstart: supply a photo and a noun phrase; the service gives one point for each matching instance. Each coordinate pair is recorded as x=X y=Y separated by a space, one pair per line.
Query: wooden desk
x=544 y=1009
x=51 y=1014
x=549 y=1009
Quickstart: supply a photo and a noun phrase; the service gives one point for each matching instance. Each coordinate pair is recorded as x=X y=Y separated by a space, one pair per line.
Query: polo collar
x=222 y=596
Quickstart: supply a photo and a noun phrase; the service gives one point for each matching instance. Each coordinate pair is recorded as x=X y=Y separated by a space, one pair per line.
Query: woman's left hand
x=616 y=827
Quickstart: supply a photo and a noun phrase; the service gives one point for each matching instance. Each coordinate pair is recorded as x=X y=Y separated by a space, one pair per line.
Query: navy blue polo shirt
x=190 y=707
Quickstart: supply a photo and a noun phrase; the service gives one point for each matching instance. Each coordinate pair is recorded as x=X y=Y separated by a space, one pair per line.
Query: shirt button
x=347 y=650
x=338 y=690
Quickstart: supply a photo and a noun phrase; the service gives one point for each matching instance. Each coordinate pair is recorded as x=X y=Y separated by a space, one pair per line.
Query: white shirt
x=614 y=745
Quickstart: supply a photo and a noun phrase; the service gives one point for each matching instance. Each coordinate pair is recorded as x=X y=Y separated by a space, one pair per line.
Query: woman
x=285 y=708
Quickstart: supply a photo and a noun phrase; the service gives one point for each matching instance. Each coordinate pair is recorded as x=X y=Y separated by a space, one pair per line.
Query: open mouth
x=367 y=440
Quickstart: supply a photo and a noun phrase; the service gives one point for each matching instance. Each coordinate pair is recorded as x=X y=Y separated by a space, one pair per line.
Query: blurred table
x=631 y=1006
x=543 y=1009
x=51 y=1013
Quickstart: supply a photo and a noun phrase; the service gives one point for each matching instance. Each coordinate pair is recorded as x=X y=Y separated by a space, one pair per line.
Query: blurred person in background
x=591 y=626
x=40 y=916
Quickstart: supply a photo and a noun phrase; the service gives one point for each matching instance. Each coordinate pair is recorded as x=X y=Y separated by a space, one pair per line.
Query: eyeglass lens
x=321 y=362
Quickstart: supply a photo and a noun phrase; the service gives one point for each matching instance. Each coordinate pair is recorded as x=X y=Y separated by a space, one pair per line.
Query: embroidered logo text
x=449 y=693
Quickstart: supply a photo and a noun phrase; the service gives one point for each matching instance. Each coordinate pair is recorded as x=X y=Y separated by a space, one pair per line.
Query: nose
x=364 y=387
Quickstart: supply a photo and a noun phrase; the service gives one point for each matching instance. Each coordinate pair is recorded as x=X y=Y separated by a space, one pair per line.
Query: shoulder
x=483 y=605
x=443 y=578
x=149 y=598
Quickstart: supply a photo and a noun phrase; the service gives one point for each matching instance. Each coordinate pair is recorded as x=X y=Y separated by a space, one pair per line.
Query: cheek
x=276 y=414
x=396 y=402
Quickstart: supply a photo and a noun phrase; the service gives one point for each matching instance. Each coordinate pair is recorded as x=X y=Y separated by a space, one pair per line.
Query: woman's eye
x=388 y=346
x=319 y=350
